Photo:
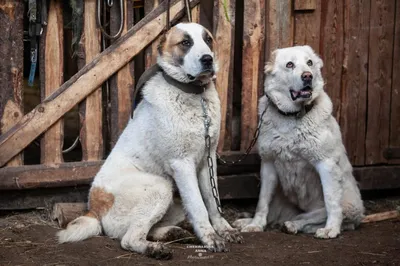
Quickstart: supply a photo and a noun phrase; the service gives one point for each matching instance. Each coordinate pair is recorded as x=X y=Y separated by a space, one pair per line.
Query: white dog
x=131 y=197
x=306 y=177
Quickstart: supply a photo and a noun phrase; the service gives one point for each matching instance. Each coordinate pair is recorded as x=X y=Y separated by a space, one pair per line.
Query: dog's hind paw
x=252 y=228
x=232 y=235
x=158 y=251
x=214 y=243
x=289 y=228
x=327 y=233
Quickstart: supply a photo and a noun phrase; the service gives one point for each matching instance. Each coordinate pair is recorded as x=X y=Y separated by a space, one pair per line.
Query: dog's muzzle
x=306 y=91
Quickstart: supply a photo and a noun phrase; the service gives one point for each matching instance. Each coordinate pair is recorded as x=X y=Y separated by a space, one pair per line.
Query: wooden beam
x=394 y=140
x=64 y=213
x=195 y=12
x=279 y=25
x=51 y=77
x=11 y=67
x=252 y=67
x=307 y=27
x=150 y=54
x=85 y=82
x=331 y=49
x=379 y=79
x=355 y=79
x=224 y=35
x=305 y=5
x=90 y=110
x=121 y=84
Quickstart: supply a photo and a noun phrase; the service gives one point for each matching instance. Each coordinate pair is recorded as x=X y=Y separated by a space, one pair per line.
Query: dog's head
x=186 y=53
x=293 y=76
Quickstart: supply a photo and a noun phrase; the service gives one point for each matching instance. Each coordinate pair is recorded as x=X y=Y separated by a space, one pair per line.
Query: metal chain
x=248 y=150
x=210 y=162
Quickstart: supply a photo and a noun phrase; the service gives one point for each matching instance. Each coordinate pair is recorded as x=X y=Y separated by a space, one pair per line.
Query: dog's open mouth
x=304 y=93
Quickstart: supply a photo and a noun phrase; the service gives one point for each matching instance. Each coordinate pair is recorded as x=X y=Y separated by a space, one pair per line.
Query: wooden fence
x=359 y=42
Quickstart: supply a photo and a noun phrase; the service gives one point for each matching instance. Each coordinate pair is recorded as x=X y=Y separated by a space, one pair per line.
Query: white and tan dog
x=131 y=197
x=306 y=178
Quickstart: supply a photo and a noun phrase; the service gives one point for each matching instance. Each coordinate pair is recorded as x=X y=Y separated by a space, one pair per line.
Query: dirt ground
x=28 y=239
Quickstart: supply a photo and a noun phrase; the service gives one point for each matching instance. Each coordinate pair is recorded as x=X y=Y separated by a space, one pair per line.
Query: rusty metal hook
x=110 y=3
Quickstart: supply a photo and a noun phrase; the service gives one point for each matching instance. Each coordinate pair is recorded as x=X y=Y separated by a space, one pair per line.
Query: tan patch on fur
x=270 y=64
x=174 y=37
x=100 y=202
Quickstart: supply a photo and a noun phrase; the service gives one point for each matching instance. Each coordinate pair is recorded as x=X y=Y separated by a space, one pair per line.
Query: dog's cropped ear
x=163 y=38
x=317 y=60
x=269 y=66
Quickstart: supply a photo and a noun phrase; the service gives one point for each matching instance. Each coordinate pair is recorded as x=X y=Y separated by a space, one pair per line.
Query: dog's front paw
x=289 y=228
x=241 y=223
x=326 y=233
x=231 y=235
x=214 y=242
x=252 y=228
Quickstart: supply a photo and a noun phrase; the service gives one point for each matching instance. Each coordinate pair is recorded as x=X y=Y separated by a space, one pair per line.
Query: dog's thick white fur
x=161 y=146
x=306 y=178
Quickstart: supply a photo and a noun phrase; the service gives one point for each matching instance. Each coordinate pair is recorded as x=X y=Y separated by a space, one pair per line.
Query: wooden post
x=355 y=78
x=307 y=24
x=224 y=34
x=279 y=26
x=90 y=110
x=122 y=83
x=395 y=108
x=379 y=79
x=11 y=67
x=51 y=77
x=150 y=54
x=196 y=14
x=252 y=67
x=85 y=82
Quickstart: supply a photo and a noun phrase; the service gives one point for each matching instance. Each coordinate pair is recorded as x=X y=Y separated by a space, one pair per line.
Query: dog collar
x=298 y=114
x=193 y=87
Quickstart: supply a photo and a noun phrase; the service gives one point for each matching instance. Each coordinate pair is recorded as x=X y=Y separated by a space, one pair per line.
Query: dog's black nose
x=206 y=60
x=306 y=76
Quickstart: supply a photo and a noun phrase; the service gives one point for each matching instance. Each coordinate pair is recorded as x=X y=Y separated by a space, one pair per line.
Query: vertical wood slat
x=224 y=34
x=379 y=79
x=150 y=53
x=355 y=78
x=122 y=83
x=196 y=14
x=307 y=27
x=331 y=50
x=11 y=70
x=252 y=67
x=90 y=110
x=52 y=76
x=395 y=97
x=306 y=4
x=279 y=26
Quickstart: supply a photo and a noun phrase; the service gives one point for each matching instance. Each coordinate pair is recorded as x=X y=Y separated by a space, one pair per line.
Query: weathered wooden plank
x=51 y=77
x=11 y=68
x=379 y=79
x=395 y=99
x=305 y=5
x=90 y=110
x=84 y=82
x=122 y=83
x=331 y=50
x=207 y=14
x=355 y=79
x=252 y=67
x=64 y=213
x=279 y=25
x=150 y=54
x=307 y=27
x=224 y=34
x=196 y=14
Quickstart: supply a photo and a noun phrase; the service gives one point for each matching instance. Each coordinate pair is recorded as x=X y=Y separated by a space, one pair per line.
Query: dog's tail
x=81 y=228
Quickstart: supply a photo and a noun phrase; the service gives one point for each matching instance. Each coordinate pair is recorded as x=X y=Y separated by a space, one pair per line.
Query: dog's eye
x=186 y=43
x=208 y=40
x=290 y=64
x=309 y=62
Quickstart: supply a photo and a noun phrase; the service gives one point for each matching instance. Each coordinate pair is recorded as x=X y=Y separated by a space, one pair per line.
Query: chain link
x=210 y=162
x=248 y=150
